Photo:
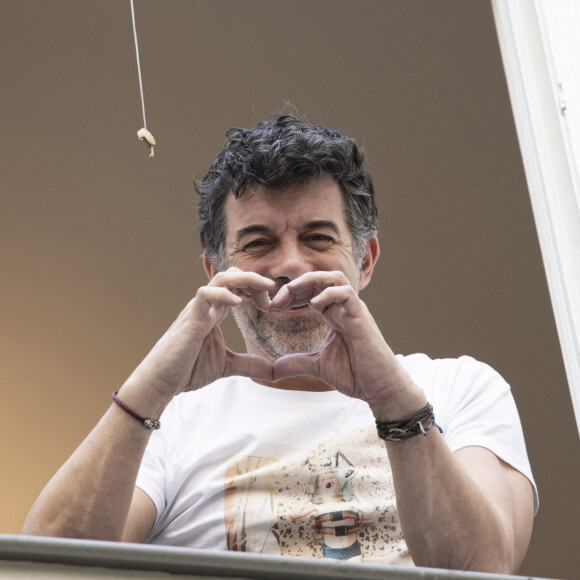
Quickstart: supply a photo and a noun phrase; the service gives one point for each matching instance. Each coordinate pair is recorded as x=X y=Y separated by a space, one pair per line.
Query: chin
x=281 y=343
x=278 y=336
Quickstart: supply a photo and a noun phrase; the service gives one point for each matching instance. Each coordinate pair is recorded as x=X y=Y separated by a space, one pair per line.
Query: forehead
x=318 y=199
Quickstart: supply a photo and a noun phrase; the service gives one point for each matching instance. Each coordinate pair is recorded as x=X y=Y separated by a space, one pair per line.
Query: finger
x=235 y=279
x=345 y=296
x=261 y=300
x=208 y=297
x=248 y=365
x=296 y=365
x=248 y=285
x=302 y=290
x=318 y=280
x=287 y=298
x=281 y=299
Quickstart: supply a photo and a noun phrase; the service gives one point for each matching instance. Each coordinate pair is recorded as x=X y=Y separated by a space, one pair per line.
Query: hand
x=192 y=353
x=355 y=358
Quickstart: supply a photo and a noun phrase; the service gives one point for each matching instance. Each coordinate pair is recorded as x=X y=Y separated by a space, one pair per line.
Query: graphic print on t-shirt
x=335 y=500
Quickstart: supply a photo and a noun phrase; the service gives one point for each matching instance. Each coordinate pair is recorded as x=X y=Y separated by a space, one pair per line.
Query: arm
x=89 y=497
x=466 y=510
x=141 y=518
x=93 y=495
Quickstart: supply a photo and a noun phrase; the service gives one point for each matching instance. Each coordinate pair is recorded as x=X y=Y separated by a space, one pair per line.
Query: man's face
x=282 y=235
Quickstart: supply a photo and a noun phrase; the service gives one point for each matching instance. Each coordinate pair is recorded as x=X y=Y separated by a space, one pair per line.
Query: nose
x=289 y=261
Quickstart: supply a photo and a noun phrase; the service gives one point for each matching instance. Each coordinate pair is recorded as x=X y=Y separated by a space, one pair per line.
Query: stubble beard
x=277 y=336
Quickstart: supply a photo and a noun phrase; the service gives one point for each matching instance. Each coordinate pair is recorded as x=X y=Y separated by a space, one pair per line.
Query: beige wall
x=98 y=244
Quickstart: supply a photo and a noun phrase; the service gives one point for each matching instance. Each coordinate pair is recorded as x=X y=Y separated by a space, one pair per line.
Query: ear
x=368 y=263
x=209 y=266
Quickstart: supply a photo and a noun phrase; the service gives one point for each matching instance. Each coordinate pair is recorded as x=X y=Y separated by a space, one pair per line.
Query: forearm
x=446 y=519
x=90 y=496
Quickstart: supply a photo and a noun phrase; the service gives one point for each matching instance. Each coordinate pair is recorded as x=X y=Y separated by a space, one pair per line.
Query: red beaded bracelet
x=149 y=423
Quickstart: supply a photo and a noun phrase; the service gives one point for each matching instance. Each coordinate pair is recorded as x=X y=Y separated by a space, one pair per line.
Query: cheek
x=350 y=268
x=239 y=260
x=248 y=264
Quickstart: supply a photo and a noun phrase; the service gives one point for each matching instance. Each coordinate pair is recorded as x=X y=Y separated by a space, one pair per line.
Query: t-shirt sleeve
x=475 y=407
x=151 y=477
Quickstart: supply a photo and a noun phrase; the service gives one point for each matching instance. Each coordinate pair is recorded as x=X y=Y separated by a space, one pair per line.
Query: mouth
x=295 y=311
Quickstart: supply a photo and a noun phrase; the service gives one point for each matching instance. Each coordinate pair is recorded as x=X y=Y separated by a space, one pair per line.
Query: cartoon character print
x=335 y=511
x=335 y=500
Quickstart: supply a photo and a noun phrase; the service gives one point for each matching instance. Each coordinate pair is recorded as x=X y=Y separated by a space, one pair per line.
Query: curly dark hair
x=278 y=154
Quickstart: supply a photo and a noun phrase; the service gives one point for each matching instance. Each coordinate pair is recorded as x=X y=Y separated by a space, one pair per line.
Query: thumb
x=296 y=365
x=247 y=365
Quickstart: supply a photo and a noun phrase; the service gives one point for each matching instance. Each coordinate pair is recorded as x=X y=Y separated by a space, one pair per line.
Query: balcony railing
x=25 y=557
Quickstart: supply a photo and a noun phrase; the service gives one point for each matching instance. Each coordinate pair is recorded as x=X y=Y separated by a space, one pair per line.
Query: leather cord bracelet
x=148 y=423
x=418 y=424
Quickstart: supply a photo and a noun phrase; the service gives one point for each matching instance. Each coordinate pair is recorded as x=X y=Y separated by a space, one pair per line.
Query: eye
x=319 y=241
x=256 y=245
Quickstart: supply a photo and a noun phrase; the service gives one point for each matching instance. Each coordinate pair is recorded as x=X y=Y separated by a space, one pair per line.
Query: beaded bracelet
x=418 y=424
x=148 y=423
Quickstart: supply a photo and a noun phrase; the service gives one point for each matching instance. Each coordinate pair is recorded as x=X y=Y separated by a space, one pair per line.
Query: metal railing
x=36 y=557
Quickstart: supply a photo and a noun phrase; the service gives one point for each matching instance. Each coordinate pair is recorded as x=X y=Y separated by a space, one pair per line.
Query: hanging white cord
x=143 y=134
x=138 y=63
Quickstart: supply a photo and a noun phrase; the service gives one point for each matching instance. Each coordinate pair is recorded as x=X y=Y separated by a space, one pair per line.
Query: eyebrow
x=323 y=224
x=263 y=229
x=254 y=229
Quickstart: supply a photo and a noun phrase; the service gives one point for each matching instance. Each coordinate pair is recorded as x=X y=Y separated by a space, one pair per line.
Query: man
x=278 y=450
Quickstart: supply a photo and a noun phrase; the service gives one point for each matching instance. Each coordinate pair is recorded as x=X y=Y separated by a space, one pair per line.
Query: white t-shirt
x=240 y=466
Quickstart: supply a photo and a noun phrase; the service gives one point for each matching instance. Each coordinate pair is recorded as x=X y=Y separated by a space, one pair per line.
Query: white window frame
x=540 y=47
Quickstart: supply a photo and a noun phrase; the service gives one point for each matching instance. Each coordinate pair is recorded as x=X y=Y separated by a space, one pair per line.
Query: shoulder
x=473 y=404
x=462 y=373
x=461 y=388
